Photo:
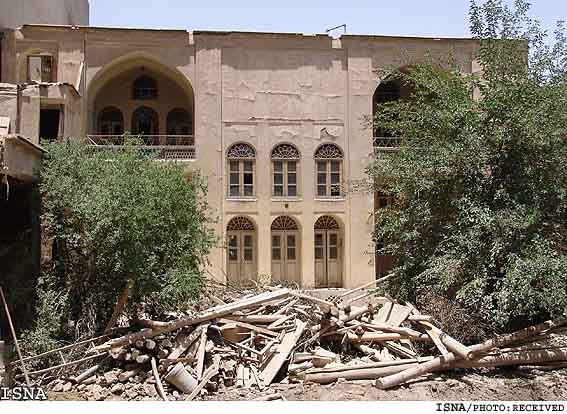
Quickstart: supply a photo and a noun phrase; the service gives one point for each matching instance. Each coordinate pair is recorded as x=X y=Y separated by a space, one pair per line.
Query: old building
x=273 y=120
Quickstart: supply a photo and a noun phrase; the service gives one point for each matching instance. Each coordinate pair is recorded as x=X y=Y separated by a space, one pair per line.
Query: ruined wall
x=9 y=104
x=15 y=13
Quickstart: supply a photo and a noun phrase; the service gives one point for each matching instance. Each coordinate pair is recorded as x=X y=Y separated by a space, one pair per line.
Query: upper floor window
x=285 y=164
x=241 y=160
x=329 y=165
x=145 y=87
x=110 y=121
x=40 y=68
x=387 y=91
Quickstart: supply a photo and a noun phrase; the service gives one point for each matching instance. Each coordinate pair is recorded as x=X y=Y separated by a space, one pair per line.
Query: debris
x=285 y=336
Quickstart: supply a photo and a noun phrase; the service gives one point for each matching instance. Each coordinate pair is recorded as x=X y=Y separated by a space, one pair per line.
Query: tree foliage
x=480 y=180
x=117 y=217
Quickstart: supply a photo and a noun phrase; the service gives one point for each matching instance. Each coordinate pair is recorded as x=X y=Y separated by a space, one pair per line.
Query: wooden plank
x=263 y=319
x=209 y=373
x=281 y=321
x=254 y=328
x=275 y=363
x=201 y=354
x=183 y=341
x=394 y=313
x=378 y=337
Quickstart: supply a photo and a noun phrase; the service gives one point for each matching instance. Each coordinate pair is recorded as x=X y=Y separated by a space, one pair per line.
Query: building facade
x=274 y=121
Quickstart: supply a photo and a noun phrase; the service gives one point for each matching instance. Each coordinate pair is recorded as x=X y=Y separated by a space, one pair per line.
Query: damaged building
x=274 y=121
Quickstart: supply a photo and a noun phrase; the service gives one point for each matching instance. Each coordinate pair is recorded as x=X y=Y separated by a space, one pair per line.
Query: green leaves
x=481 y=184
x=119 y=215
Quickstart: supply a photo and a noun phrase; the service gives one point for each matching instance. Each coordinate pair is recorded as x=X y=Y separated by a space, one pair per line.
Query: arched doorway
x=241 y=255
x=328 y=253
x=286 y=250
x=110 y=121
x=145 y=121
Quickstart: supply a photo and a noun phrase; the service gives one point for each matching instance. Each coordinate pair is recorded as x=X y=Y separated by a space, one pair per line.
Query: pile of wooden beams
x=286 y=335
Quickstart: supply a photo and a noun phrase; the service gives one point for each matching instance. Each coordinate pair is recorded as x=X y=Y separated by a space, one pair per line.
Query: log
x=271 y=397
x=395 y=329
x=366 y=285
x=149 y=344
x=86 y=374
x=261 y=319
x=371 y=365
x=159 y=385
x=455 y=346
x=356 y=374
x=140 y=343
x=15 y=338
x=143 y=359
x=163 y=353
x=119 y=308
x=514 y=358
x=420 y=318
x=67 y=364
x=125 y=376
x=378 y=337
x=275 y=363
x=422 y=369
x=219 y=312
x=251 y=327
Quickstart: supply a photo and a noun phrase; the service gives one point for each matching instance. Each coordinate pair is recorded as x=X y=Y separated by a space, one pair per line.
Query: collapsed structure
x=277 y=335
x=272 y=120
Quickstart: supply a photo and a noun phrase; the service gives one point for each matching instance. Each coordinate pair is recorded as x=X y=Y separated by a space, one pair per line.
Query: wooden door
x=328 y=258
x=241 y=264
x=285 y=256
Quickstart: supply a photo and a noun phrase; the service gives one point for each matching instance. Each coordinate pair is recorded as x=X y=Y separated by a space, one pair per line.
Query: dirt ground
x=496 y=385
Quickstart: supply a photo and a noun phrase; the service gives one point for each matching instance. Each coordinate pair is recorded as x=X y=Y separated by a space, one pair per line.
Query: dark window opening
x=145 y=87
x=49 y=124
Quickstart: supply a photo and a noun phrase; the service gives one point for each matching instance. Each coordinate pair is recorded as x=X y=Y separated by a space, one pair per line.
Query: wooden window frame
x=328 y=178
x=241 y=173
x=52 y=72
x=285 y=182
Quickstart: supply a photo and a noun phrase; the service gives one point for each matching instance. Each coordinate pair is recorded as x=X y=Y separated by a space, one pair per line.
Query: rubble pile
x=283 y=335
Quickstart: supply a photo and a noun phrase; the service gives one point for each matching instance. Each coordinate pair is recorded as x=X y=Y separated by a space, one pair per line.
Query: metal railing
x=386 y=143
x=168 y=147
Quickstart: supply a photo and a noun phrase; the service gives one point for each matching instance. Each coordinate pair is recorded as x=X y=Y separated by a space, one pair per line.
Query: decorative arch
x=284 y=223
x=327 y=223
x=241 y=150
x=110 y=121
x=240 y=223
x=329 y=152
x=132 y=62
x=285 y=152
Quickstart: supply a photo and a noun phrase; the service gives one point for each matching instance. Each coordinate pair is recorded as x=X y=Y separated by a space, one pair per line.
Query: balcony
x=386 y=143
x=168 y=147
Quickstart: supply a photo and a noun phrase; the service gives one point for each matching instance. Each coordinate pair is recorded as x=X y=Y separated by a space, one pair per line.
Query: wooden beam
x=275 y=363
x=217 y=312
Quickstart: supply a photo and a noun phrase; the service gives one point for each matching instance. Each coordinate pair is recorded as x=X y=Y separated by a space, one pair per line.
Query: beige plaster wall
x=262 y=89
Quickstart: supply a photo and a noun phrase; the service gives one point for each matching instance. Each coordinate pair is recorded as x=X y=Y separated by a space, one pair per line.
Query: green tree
x=480 y=179
x=118 y=217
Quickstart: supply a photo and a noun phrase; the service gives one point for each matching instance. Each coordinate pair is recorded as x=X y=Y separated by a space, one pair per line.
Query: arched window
x=179 y=122
x=110 y=121
x=329 y=165
x=145 y=121
x=241 y=160
x=285 y=165
x=145 y=87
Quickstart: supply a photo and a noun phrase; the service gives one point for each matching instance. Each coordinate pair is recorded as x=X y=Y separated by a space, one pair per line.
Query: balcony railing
x=168 y=147
x=386 y=143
